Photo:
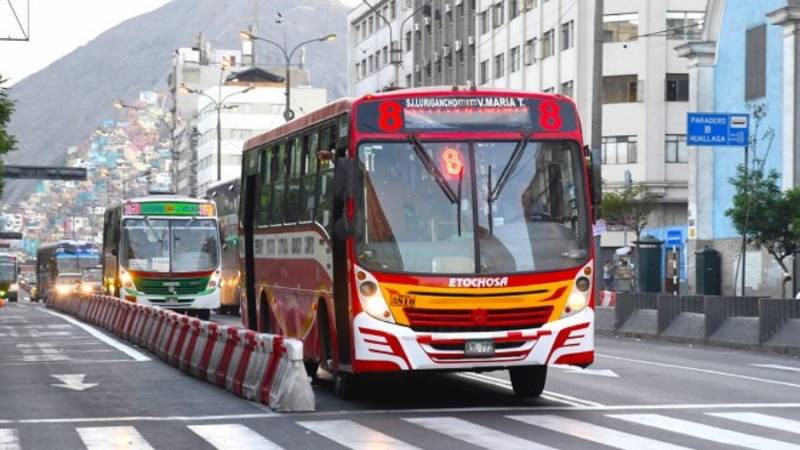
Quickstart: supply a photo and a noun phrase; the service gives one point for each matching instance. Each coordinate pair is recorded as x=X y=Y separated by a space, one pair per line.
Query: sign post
x=723 y=130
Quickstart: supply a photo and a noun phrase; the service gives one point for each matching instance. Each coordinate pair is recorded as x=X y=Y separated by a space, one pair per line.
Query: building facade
x=406 y=43
x=748 y=60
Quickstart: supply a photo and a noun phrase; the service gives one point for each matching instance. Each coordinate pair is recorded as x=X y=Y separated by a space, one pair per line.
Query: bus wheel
x=528 y=381
x=345 y=385
x=204 y=314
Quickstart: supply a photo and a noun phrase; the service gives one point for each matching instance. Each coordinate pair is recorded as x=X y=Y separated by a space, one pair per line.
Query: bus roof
x=217 y=184
x=345 y=104
x=166 y=198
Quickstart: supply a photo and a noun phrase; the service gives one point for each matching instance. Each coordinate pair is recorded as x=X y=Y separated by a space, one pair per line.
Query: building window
x=756 y=63
x=548 y=43
x=619 y=150
x=408 y=41
x=675 y=149
x=620 y=89
x=567 y=35
x=484 y=19
x=393 y=9
x=677 y=87
x=358 y=30
x=513 y=55
x=371 y=66
x=530 y=51
x=408 y=80
x=568 y=89
x=363 y=68
x=513 y=9
x=685 y=25
x=530 y=4
x=385 y=55
x=358 y=70
x=620 y=27
x=497 y=15
x=549 y=90
x=484 y=71
x=499 y=65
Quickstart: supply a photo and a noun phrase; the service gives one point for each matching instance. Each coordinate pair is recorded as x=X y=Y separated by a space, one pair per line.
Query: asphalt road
x=65 y=385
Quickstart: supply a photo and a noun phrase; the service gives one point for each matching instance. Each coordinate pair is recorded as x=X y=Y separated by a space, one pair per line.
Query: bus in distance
x=226 y=196
x=9 y=275
x=424 y=229
x=59 y=258
x=163 y=251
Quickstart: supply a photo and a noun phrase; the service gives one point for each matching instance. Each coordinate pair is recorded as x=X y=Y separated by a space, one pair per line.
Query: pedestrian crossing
x=665 y=430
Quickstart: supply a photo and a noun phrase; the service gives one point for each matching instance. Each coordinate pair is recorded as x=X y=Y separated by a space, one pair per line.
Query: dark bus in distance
x=226 y=196
x=62 y=257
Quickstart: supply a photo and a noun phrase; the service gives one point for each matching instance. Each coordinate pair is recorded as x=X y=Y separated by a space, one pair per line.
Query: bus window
x=294 y=181
x=265 y=188
x=278 y=175
x=309 y=183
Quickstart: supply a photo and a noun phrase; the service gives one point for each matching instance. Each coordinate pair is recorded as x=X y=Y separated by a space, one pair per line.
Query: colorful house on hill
x=749 y=59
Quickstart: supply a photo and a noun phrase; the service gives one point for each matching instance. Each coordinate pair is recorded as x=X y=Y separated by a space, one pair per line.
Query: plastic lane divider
x=257 y=366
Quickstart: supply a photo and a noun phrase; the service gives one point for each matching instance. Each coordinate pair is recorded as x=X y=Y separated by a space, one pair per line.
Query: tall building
x=405 y=43
x=747 y=60
x=547 y=46
x=252 y=102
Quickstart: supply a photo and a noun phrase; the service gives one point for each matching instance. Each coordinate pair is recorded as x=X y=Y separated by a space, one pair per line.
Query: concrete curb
x=257 y=366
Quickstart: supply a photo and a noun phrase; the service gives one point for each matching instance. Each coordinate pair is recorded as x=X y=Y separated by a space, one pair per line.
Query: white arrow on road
x=73 y=382
x=608 y=373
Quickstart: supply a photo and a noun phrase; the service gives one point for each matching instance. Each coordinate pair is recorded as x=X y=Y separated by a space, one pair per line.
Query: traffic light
x=45 y=173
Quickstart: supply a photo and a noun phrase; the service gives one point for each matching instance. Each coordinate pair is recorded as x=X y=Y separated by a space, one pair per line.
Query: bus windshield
x=7 y=270
x=424 y=208
x=170 y=245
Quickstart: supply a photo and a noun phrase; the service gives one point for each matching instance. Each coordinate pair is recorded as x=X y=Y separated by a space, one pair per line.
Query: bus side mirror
x=114 y=252
x=343 y=229
x=344 y=178
x=595 y=177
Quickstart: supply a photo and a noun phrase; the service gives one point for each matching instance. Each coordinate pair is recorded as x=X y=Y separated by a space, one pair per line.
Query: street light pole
x=288 y=114
x=219 y=105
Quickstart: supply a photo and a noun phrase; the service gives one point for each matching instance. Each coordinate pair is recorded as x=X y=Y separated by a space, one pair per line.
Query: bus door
x=248 y=208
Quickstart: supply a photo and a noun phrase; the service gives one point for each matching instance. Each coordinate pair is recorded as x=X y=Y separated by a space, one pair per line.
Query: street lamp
x=288 y=114
x=119 y=104
x=219 y=106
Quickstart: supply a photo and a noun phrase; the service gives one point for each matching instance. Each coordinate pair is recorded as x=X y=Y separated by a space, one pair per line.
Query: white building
x=242 y=116
x=432 y=44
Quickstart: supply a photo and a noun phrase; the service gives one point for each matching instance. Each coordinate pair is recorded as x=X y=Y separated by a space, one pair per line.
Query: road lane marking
x=66 y=360
x=135 y=354
x=763 y=420
x=549 y=395
x=777 y=367
x=607 y=373
x=707 y=432
x=233 y=437
x=697 y=369
x=590 y=432
x=113 y=438
x=73 y=382
x=9 y=440
x=475 y=434
x=355 y=436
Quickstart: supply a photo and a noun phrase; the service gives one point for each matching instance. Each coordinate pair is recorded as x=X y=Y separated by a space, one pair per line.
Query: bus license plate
x=479 y=347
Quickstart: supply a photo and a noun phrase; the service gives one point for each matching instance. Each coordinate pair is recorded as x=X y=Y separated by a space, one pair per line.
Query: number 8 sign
x=390 y=117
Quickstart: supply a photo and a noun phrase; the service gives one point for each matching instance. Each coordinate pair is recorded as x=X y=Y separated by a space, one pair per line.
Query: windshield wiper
x=430 y=166
x=153 y=230
x=505 y=175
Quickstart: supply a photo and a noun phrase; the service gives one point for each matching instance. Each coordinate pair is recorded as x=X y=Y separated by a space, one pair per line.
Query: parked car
x=91 y=282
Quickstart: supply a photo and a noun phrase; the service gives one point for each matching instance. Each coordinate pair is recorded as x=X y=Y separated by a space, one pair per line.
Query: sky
x=59 y=26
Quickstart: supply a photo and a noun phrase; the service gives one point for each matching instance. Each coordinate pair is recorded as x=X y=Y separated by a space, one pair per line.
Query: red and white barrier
x=257 y=366
x=608 y=299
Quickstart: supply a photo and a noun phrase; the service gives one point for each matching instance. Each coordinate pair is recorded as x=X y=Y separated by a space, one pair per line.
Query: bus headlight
x=371 y=298
x=213 y=281
x=63 y=289
x=87 y=289
x=13 y=288
x=579 y=297
x=126 y=279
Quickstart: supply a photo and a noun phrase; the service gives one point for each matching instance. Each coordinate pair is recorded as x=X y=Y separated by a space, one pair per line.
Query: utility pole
x=597 y=121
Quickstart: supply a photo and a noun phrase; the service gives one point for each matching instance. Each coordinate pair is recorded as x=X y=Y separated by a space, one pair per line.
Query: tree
x=771 y=217
x=7 y=142
x=630 y=207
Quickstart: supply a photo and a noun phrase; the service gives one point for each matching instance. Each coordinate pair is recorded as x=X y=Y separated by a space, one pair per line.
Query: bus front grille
x=171 y=287
x=454 y=320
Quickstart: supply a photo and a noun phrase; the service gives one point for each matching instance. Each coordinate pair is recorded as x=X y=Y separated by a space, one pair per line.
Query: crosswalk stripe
x=233 y=437
x=764 y=420
x=595 y=433
x=113 y=438
x=475 y=434
x=9 y=439
x=706 y=432
x=354 y=435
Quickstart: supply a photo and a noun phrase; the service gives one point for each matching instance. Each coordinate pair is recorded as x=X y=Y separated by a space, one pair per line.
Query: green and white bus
x=164 y=251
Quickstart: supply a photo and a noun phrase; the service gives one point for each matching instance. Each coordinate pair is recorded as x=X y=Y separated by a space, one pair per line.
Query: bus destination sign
x=170 y=209
x=465 y=113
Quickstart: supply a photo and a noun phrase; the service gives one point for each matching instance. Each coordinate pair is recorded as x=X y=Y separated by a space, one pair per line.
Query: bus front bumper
x=199 y=301
x=382 y=346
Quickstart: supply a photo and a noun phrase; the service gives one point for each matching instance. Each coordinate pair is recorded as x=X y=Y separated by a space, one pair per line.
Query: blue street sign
x=717 y=129
x=674 y=238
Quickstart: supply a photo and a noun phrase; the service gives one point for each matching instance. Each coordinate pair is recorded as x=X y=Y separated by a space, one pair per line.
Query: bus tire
x=528 y=381
x=345 y=385
x=204 y=314
x=325 y=337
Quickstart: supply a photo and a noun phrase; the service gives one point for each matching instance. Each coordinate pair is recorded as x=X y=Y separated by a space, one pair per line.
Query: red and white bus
x=427 y=229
